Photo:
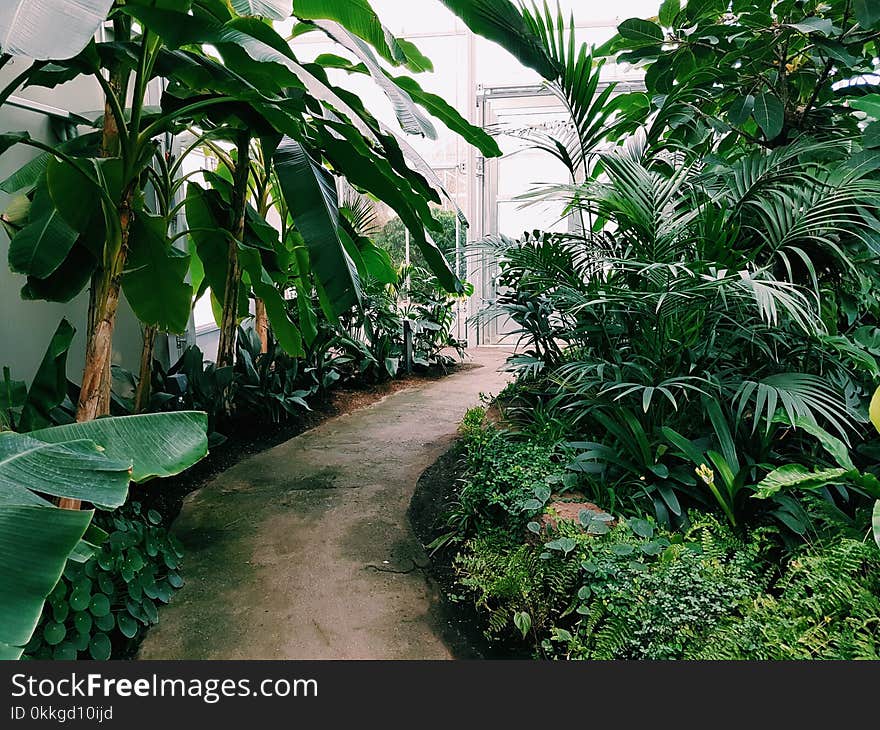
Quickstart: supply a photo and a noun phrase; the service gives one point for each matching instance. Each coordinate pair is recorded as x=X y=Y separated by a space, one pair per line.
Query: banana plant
x=45 y=29
x=303 y=168
x=235 y=250
x=80 y=204
x=504 y=23
x=87 y=221
x=24 y=409
x=93 y=462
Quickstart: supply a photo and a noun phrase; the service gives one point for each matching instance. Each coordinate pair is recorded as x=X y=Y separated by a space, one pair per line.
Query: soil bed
x=458 y=621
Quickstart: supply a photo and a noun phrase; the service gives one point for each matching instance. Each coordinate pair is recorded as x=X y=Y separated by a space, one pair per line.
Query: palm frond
x=801 y=396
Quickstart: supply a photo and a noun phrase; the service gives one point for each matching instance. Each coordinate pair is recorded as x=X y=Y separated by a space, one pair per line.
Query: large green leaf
x=769 y=114
x=49 y=386
x=73 y=467
x=795 y=476
x=669 y=10
x=44 y=29
x=421 y=171
x=27 y=176
x=867 y=13
x=154 y=280
x=262 y=44
x=870 y=104
x=373 y=174
x=310 y=193
x=208 y=220
x=500 y=21
x=283 y=328
x=641 y=32
x=41 y=247
x=272 y=9
x=73 y=194
x=360 y=19
x=740 y=109
x=265 y=53
x=388 y=178
x=438 y=107
x=833 y=445
x=156 y=444
x=377 y=262
x=35 y=542
x=67 y=281
x=36 y=538
x=409 y=116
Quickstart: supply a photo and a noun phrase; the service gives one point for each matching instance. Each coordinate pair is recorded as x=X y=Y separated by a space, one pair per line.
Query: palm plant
x=709 y=310
x=686 y=325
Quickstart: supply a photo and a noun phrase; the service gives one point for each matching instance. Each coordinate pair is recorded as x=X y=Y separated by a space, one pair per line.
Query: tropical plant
x=631 y=592
x=693 y=305
x=26 y=409
x=92 y=462
x=101 y=607
x=824 y=607
x=431 y=314
x=722 y=75
x=268 y=386
x=392 y=238
x=192 y=384
x=84 y=217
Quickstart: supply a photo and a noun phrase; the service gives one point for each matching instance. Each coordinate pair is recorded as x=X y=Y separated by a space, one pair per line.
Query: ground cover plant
x=697 y=353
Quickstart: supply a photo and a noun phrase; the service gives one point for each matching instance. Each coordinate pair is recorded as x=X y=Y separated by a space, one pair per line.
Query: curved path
x=305 y=551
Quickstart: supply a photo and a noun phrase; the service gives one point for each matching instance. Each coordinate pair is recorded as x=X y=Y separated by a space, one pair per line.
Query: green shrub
x=659 y=606
x=676 y=331
x=100 y=608
x=828 y=607
x=508 y=478
x=632 y=593
x=472 y=423
x=507 y=577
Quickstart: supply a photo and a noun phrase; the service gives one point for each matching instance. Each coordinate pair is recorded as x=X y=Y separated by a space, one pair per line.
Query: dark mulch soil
x=460 y=624
x=246 y=439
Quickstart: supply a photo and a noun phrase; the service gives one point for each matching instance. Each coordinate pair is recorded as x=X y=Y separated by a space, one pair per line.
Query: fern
x=828 y=608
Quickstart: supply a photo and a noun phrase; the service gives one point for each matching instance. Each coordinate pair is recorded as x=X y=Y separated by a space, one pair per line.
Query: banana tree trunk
x=264 y=205
x=144 y=389
x=229 y=320
x=261 y=324
x=94 y=395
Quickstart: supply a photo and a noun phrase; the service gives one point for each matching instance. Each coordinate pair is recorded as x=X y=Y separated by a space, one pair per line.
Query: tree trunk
x=99 y=346
x=261 y=324
x=229 y=319
x=94 y=394
x=261 y=316
x=145 y=379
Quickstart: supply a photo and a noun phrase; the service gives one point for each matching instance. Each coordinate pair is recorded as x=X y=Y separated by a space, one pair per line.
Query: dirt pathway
x=305 y=551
